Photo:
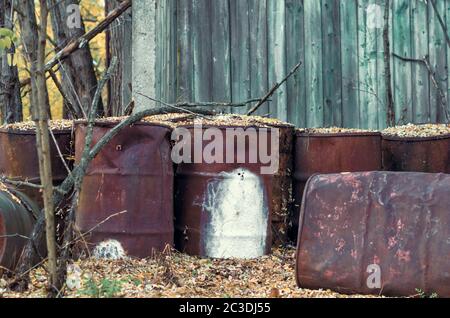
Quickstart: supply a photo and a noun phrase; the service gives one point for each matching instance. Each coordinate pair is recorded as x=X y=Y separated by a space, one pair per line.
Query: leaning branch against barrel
x=85 y=38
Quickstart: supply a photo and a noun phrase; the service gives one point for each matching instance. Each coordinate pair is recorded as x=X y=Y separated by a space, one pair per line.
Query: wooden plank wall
x=234 y=50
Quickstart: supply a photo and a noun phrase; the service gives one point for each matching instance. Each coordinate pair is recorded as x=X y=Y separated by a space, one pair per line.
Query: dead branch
x=425 y=61
x=18 y=183
x=87 y=37
x=441 y=22
x=274 y=89
x=67 y=103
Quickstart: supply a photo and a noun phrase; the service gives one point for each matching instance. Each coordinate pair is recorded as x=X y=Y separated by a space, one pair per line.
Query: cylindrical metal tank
x=376 y=233
x=232 y=208
x=132 y=174
x=17 y=217
x=19 y=158
x=331 y=153
x=416 y=154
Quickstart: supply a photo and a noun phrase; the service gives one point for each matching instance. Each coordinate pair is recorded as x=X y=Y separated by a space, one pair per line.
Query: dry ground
x=178 y=275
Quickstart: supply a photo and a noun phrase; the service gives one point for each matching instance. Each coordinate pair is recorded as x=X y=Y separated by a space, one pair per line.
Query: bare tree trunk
x=29 y=33
x=10 y=99
x=77 y=72
x=42 y=134
x=118 y=44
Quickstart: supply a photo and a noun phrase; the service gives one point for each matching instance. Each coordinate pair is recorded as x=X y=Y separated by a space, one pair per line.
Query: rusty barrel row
x=20 y=206
x=134 y=195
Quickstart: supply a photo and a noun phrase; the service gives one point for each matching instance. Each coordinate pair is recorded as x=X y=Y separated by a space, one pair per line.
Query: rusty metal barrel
x=127 y=193
x=17 y=217
x=376 y=233
x=325 y=151
x=19 y=158
x=416 y=154
x=232 y=208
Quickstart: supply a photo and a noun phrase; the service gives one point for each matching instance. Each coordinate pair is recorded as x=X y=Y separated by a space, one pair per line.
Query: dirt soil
x=178 y=275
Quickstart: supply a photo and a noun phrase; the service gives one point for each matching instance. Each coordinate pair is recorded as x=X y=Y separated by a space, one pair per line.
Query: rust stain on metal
x=396 y=222
x=133 y=173
x=19 y=158
x=17 y=218
x=207 y=193
x=416 y=154
x=331 y=153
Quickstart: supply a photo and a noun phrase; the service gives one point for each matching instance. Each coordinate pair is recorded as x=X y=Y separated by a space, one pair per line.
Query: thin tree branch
x=274 y=89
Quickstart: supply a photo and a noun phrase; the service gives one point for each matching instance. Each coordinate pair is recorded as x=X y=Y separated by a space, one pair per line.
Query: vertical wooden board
x=438 y=60
x=258 y=52
x=295 y=52
x=368 y=25
x=202 y=50
x=313 y=63
x=277 y=56
x=349 y=53
x=402 y=70
x=172 y=51
x=419 y=49
x=160 y=41
x=332 y=73
x=185 y=65
x=221 y=71
x=240 y=51
x=380 y=70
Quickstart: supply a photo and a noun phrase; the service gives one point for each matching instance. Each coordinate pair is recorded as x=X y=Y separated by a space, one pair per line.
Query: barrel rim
x=11 y=131
x=263 y=126
x=305 y=134
x=112 y=124
x=414 y=139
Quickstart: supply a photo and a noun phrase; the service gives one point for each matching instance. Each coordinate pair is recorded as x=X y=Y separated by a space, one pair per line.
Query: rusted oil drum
x=376 y=233
x=17 y=217
x=317 y=152
x=230 y=208
x=132 y=173
x=416 y=154
x=19 y=158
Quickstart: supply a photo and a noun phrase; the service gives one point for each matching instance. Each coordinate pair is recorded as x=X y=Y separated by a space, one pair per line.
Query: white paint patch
x=111 y=250
x=238 y=215
x=375 y=16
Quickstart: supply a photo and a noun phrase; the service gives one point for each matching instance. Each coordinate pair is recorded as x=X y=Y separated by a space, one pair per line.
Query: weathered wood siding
x=234 y=50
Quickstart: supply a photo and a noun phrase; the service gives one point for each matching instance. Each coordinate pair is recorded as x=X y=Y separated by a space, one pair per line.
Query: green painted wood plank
x=367 y=35
x=240 y=52
x=313 y=63
x=202 y=50
x=380 y=73
x=350 y=71
x=295 y=49
x=221 y=51
x=419 y=49
x=332 y=67
x=438 y=59
x=402 y=70
x=277 y=56
x=185 y=65
x=258 y=52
